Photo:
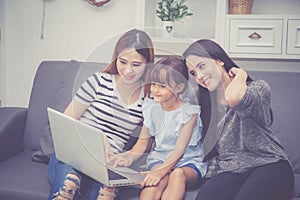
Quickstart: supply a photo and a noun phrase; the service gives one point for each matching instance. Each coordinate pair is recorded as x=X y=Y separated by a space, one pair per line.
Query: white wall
x=2 y=54
x=73 y=29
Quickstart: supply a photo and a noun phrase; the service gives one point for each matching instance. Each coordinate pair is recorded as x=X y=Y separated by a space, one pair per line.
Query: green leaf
x=172 y=10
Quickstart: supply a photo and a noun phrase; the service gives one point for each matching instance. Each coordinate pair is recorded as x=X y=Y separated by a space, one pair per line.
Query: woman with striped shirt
x=110 y=100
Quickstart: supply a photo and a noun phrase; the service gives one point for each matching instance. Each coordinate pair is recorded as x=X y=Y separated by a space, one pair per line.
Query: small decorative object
x=240 y=6
x=97 y=3
x=170 y=11
x=168 y=28
x=43 y=20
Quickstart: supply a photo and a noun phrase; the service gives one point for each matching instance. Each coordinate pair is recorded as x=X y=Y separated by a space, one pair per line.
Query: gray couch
x=21 y=129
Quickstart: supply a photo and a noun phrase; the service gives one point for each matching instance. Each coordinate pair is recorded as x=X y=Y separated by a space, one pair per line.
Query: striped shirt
x=106 y=109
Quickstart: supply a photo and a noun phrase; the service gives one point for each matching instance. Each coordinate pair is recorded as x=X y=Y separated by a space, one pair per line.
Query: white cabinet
x=293 y=37
x=272 y=29
x=259 y=36
x=263 y=36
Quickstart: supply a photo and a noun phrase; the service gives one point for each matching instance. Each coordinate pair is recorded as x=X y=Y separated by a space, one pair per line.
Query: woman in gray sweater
x=246 y=160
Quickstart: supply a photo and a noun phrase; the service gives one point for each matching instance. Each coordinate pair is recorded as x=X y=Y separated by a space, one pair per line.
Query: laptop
x=82 y=146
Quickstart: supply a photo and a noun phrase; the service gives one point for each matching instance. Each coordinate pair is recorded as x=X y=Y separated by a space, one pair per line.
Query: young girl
x=111 y=101
x=246 y=160
x=177 y=159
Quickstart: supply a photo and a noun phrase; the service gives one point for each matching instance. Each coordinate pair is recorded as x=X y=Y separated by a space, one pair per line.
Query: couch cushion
x=286 y=110
x=132 y=193
x=46 y=146
x=297 y=186
x=52 y=85
x=12 y=121
x=55 y=91
x=20 y=178
x=62 y=98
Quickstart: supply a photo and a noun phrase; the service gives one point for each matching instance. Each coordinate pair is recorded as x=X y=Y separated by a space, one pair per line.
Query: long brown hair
x=208 y=100
x=134 y=38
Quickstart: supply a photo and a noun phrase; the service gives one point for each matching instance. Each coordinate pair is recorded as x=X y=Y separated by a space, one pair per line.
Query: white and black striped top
x=107 y=111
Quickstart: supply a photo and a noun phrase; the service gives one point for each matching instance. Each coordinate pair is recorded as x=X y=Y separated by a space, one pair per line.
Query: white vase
x=168 y=29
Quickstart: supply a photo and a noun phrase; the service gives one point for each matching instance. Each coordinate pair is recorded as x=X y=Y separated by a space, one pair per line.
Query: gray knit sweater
x=245 y=139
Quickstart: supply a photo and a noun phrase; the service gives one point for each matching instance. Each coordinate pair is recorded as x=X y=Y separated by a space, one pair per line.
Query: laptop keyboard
x=115 y=176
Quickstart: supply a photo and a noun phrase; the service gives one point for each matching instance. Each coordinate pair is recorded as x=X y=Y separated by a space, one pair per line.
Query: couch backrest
x=54 y=85
x=56 y=82
x=285 y=104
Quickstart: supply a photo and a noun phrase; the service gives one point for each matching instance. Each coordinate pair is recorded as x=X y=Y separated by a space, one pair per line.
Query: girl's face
x=162 y=93
x=207 y=72
x=130 y=66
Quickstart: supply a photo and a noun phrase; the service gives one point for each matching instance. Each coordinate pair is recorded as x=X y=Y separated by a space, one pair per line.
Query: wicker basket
x=240 y=6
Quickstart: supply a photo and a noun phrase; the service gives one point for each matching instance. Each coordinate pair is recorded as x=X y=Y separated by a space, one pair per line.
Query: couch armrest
x=12 y=122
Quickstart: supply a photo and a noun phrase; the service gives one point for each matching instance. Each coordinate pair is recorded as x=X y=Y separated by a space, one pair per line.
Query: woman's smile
x=128 y=77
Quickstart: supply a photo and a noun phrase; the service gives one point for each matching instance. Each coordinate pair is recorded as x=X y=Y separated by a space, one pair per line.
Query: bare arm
x=75 y=109
x=237 y=88
x=127 y=158
x=142 y=143
x=182 y=142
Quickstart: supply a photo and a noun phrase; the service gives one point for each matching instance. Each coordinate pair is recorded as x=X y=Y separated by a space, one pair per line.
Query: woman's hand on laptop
x=122 y=159
x=108 y=150
x=109 y=155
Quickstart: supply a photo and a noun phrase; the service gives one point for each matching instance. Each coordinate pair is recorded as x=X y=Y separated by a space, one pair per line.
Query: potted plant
x=170 y=11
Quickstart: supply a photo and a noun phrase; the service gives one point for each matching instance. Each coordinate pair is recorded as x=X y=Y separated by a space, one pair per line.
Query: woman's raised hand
x=234 y=71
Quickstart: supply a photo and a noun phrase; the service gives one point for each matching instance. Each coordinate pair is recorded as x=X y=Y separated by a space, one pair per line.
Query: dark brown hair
x=167 y=69
x=208 y=100
x=137 y=39
x=210 y=49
